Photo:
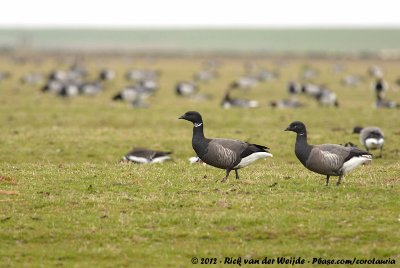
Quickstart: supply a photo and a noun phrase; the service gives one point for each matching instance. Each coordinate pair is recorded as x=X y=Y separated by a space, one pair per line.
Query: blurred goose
x=327 y=97
x=293 y=88
x=135 y=95
x=380 y=87
x=265 y=75
x=205 y=75
x=371 y=137
x=146 y=156
x=69 y=90
x=90 y=88
x=245 y=82
x=186 y=88
x=310 y=89
x=385 y=104
x=226 y=154
x=351 y=80
x=106 y=75
x=228 y=102
x=138 y=75
x=375 y=71
x=326 y=159
x=286 y=104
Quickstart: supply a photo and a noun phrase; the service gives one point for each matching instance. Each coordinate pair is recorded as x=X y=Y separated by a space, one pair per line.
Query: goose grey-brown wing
x=224 y=153
x=327 y=158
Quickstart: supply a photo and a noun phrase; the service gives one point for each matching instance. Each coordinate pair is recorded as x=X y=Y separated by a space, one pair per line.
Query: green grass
x=78 y=207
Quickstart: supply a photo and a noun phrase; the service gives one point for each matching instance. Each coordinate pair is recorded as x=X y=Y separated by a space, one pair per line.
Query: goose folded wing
x=327 y=158
x=225 y=152
x=140 y=152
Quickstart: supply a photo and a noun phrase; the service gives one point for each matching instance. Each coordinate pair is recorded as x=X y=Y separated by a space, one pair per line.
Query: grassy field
x=65 y=200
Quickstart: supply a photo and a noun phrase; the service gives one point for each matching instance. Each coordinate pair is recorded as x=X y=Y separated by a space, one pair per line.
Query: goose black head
x=357 y=130
x=297 y=127
x=193 y=117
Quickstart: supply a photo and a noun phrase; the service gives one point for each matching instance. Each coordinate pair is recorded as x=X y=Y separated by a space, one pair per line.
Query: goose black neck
x=302 y=148
x=199 y=142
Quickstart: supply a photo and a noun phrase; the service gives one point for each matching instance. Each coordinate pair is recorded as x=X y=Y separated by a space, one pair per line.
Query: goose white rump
x=251 y=158
x=354 y=162
x=373 y=143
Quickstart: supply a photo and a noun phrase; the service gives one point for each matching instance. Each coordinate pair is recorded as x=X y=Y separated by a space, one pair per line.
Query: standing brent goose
x=326 y=159
x=226 y=154
x=371 y=138
x=146 y=156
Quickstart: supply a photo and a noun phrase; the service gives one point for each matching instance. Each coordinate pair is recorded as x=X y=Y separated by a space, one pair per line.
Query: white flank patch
x=140 y=160
x=161 y=159
x=354 y=162
x=251 y=158
x=373 y=143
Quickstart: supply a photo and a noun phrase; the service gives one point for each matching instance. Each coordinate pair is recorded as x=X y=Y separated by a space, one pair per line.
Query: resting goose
x=226 y=154
x=371 y=137
x=326 y=159
x=186 y=88
x=286 y=104
x=384 y=103
x=228 y=102
x=145 y=156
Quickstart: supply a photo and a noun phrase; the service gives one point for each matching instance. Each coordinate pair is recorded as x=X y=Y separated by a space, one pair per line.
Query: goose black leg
x=327 y=180
x=380 y=153
x=227 y=174
x=237 y=174
x=339 y=181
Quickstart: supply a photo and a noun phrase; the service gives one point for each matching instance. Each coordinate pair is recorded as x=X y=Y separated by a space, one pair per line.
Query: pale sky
x=203 y=13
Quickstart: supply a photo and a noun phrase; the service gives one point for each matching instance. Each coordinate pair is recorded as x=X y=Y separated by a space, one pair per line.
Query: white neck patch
x=197 y=124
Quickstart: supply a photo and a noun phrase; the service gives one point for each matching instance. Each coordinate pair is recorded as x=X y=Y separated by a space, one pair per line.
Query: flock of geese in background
x=144 y=83
x=326 y=159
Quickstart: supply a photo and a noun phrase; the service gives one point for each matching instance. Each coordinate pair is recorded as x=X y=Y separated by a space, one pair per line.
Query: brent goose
x=266 y=75
x=327 y=97
x=326 y=159
x=205 y=75
x=245 y=82
x=186 y=88
x=384 y=103
x=146 y=156
x=371 y=137
x=375 y=71
x=90 y=88
x=286 y=104
x=228 y=102
x=380 y=86
x=106 y=75
x=351 y=80
x=226 y=154
x=293 y=88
